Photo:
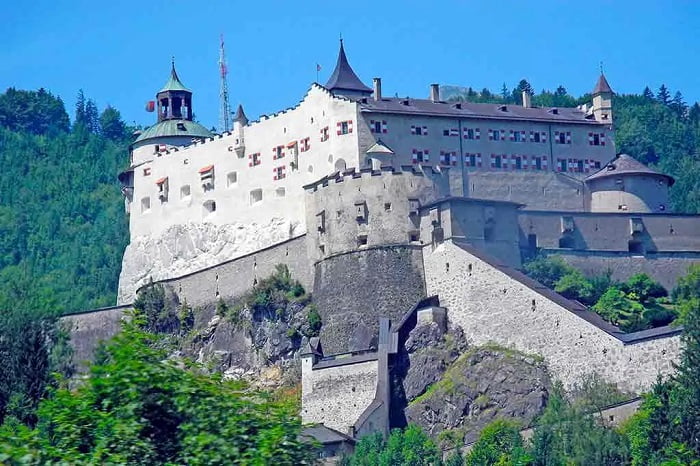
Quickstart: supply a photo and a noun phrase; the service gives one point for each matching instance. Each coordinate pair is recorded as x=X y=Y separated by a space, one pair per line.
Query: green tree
x=688 y=286
x=138 y=407
x=574 y=285
x=404 y=447
x=647 y=93
x=643 y=287
x=547 y=270
x=111 y=124
x=663 y=96
x=616 y=307
x=34 y=112
x=499 y=444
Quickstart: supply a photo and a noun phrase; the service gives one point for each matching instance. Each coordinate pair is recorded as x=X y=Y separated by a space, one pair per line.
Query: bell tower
x=174 y=100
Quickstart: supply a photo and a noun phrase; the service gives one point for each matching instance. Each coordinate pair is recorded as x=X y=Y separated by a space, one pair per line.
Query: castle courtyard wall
x=337 y=394
x=491 y=306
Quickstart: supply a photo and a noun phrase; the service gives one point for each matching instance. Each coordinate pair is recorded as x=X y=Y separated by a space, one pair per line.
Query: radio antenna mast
x=224 y=108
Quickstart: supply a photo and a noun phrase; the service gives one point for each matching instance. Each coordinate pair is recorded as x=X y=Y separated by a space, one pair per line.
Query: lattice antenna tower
x=224 y=107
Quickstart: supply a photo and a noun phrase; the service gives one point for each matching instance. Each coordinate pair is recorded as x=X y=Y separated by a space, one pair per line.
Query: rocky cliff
x=454 y=390
x=186 y=248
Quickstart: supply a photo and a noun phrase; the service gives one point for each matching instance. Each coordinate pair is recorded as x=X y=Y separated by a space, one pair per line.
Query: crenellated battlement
x=371 y=174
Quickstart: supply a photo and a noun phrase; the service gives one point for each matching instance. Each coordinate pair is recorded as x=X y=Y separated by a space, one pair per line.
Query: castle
x=399 y=210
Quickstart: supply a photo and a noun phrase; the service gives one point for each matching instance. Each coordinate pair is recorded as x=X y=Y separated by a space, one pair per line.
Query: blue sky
x=119 y=52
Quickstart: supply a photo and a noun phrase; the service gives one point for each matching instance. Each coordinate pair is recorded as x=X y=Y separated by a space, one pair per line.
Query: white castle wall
x=232 y=193
x=490 y=306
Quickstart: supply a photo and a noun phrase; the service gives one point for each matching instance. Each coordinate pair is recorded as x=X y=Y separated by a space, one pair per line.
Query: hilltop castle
x=394 y=210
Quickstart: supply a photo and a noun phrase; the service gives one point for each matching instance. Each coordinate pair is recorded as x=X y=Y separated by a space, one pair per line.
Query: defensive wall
x=661 y=245
x=495 y=303
x=364 y=240
x=89 y=328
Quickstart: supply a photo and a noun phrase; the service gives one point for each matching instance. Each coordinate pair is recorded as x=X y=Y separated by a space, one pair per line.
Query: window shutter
x=415 y=156
x=493 y=160
x=425 y=130
x=350 y=127
x=478 y=159
x=413 y=130
x=568 y=137
x=384 y=130
x=512 y=135
x=602 y=139
x=543 y=136
x=338 y=125
x=590 y=139
x=477 y=133
x=426 y=155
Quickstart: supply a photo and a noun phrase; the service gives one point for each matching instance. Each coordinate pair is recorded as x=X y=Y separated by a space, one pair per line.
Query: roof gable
x=343 y=77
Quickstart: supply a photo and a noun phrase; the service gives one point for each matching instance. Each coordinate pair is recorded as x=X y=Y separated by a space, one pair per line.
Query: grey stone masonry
x=492 y=306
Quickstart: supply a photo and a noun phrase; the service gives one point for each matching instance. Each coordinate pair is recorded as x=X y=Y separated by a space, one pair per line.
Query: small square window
x=387 y=206
x=185 y=192
x=362 y=240
x=231 y=179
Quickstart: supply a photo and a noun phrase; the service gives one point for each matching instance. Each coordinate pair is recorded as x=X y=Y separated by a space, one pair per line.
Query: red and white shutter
x=338 y=128
x=590 y=139
x=522 y=136
x=425 y=130
x=413 y=129
x=532 y=136
x=371 y=126
x=350 y=127
x=556 y=137
x=478 y=159
x=524 y=165
x=558 y=165
x=415 y=156
x=544 y=163
x=568 y=137
x=602 y=139
x=493 y=160
x=477 y=133
x=384 y=127
x=503 y=135
x=466 y=160
x=453 y=158
x=426 y=155
x=512 y=135
x=250 y=160
x=490 y=135
x=543 y=136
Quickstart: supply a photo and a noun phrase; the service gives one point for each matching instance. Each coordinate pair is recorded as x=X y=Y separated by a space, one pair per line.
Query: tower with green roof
x=175 y=125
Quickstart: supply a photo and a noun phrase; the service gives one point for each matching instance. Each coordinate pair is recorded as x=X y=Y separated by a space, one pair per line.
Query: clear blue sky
x=119 y=52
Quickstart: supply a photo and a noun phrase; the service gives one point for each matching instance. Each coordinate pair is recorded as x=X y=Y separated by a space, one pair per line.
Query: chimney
x=435 y=92
x=527 y=99
x=377 y=88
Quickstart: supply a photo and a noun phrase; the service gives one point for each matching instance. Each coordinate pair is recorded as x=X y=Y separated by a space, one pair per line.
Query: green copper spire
x=174 y=83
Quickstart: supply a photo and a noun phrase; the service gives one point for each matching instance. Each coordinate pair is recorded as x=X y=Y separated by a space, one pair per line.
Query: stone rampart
x=493 y=303
x=664 y=267
x=87 y=329
x=353 y=290
x=232 y=278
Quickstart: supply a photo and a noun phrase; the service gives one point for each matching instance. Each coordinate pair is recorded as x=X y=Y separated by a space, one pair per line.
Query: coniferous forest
x=62 y=234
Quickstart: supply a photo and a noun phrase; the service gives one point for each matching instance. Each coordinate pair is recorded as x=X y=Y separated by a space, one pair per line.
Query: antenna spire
x=224 y=107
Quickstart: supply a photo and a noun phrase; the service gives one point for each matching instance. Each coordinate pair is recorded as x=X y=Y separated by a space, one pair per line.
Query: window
x=256 y=196
x=495 y=135
x=280 y=192
x=562 y=165
x=277 y=152
x=448 y=158
x=362 y=240
x=469 y=133
x=376 y=126
x=254 y=159
x=145 y=205
x=344 y=127
x=304 y=144
x=518 y=136
x=538 y=163
x=147 y=171
x=209 y=207
x=496 y=161
x=536 y=136
x=162 y=189
x=471 y=160
x=387 y=206
x=279 y=172
x=596 y=164
x=579 y=166
x=562 y=137
x=596 y=139
x=420 y=156
x=185 y=192
x=231 y=179
x=518 y=162
x=324 y=134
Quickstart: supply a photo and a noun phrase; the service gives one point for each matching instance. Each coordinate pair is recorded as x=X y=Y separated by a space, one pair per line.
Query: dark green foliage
x=138 y=407
x=404 y=447
x=688 y=286
x=111 y=125
x=38 y=113
x=499 y=444
x=32 y=346
x=62 y=223
x=569 y=433
x=313 y=321
x=633 y=305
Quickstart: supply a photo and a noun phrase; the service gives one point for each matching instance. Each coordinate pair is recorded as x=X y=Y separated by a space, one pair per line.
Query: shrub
x=615 y=307
x=313 y=321
x=409 y=446
x=547 y=269
x=574 y=285
x=688 y=286
x=643 y=287
x=499 y=444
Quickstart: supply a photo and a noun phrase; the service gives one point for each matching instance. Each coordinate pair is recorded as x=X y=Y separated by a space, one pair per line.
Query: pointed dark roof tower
x=240 y=117
x=602 y=86
x=344 y=81
x=174 y=83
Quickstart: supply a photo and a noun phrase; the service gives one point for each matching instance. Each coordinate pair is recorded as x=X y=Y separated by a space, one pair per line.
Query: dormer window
x=206 y=175
x=181 y=127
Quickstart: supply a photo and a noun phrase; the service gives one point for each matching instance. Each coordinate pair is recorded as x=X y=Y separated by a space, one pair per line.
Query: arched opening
x=340 y=165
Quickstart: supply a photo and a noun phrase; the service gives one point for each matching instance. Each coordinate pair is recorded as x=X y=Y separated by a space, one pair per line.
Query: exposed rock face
x=185 y=248
x=483 y=384
x=258 y=349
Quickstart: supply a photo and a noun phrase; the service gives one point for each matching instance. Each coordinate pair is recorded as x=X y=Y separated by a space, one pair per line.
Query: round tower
x=627 y=185
x=175 y=125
